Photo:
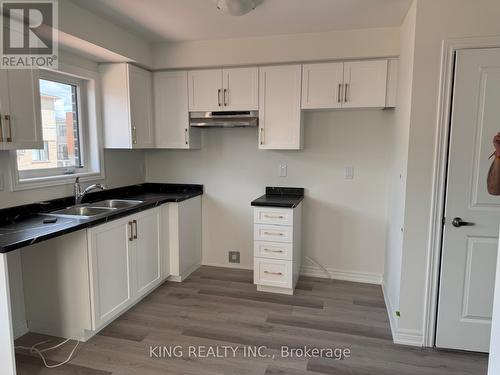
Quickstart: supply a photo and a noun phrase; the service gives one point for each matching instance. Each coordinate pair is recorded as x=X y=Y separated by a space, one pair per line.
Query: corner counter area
x=70 y=277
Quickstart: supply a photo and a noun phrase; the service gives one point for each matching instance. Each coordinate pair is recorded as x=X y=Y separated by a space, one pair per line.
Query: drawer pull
x=274 y=216
x=274 y=273
x=273 y=251
x=273 y=234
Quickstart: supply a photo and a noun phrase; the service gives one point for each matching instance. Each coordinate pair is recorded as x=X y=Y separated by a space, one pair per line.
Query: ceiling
x=187 y=20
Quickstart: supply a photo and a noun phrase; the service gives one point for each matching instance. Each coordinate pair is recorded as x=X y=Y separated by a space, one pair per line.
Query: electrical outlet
x=283 y=170
x=349 y=173
x=234 y=257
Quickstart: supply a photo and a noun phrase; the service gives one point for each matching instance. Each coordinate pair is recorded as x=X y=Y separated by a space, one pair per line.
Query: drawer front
x=274 y=250
x=273 y=233
x=273 y=215
x=273 y=272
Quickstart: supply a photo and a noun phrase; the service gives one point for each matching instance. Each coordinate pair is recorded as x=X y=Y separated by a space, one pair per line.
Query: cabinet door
x=240 y=89
x=171 y=113
x=365 y=84
x=189 y=226
x=280 y=125
x=322 y=85
x=110 y=262
x=148 y=255
x=141 y=108
x=21 y=125
x=205 y=90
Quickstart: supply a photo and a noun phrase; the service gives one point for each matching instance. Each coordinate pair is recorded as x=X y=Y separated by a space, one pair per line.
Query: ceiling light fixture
x=236 y=7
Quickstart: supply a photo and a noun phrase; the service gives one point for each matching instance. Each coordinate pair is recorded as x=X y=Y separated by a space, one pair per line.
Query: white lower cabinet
x=78 y=283
x=125 y=260
x=277 y=248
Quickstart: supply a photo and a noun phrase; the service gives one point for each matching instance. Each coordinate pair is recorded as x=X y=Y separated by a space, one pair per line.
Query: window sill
x=41 y=182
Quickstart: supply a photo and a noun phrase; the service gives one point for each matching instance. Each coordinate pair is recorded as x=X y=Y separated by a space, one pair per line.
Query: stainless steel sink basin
x=116 y=203
x=83 y=212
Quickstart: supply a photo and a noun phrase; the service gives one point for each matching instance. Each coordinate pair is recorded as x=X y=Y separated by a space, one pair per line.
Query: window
x=39 y=155
x=70 y=132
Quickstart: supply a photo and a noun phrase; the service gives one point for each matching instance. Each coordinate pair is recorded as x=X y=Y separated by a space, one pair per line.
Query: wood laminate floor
x=220 y=308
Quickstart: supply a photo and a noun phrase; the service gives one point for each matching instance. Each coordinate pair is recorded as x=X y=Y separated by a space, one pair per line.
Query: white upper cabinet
x=356 y=84
x=322 y=85
x=280 y=125
x=20 y=113
x=205 y=90
x=223 y=89
x=240 y=89
x=171 y=114
x=365 y=84
x=127 y=106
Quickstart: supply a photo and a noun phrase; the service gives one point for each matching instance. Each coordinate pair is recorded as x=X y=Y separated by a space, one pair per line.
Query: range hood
x=229 y=119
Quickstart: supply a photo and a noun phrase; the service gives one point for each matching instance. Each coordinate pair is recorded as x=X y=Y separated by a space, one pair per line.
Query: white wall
x=437 y=20
x=344 y=222
x=350 y=44
x=397 y=178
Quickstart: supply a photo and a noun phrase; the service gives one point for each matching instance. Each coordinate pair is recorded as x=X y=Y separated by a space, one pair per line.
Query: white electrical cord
x=319 y=265
x=34 y=349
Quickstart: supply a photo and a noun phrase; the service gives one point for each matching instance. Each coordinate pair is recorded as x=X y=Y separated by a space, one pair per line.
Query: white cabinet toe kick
x=277 y=248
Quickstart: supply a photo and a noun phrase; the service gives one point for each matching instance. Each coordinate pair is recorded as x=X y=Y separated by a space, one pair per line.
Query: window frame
x=90 y=133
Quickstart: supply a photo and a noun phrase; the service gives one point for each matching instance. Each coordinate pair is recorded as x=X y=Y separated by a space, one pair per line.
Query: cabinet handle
x=218 y=97
x=346 y=98
x=7 y=118
x=261 y=136
x=339 y=94
x=130 y=235
x=186 y=136
x=135 y=226
x=134 y=135
x=273 y=251
x=273 y=234
x=226 y=91
x=1 y=128
x=273 y=273
x=274 y=216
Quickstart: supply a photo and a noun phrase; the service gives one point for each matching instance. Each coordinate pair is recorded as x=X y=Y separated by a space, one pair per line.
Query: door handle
x=186 y=136
x=134 y=222
x=346 y=98
x=218 y=97
x=134 y=135
x=458 y=222
x=130 y=235
x=7 y=118
x=1 y=128
x=339 y=94
x=261 y=136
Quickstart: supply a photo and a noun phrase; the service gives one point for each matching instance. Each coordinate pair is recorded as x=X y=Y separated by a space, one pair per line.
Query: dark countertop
x=280 y=197
x=21 y=226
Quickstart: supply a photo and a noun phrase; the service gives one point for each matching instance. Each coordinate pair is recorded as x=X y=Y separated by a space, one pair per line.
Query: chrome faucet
x=79 y=194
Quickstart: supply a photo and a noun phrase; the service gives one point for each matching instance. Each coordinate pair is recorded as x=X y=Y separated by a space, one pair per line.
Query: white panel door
x=469 y=251
x=205 y=90
x=240 y=89
x=141 y=107
x=365 y=84
x=280 y=126
x=148 y=255
x=21 y=124
x=322 y=85
x=111 y=249
x=171 y=113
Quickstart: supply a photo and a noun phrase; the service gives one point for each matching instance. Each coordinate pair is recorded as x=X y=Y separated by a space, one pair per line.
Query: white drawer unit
x=277 y=248
x=273 y=233
x=273 y=215
x=274 y=250
x=273 y=272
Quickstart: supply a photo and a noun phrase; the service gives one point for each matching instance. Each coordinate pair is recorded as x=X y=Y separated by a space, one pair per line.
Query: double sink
x=90 y=210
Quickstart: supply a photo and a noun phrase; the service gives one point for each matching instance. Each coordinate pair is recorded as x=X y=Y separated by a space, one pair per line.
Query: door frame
x=440 y=169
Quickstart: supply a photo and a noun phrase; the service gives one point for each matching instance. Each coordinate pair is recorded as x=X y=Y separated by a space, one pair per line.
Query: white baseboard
x=184 y=275
x=229 y=265
x=355 y=276
x=401 y=336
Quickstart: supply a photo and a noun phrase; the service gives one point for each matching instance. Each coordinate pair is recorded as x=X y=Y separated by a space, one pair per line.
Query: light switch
x=283 y=170
x=349 y=173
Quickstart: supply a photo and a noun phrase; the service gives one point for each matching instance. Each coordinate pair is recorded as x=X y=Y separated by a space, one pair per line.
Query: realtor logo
x=29 y=34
